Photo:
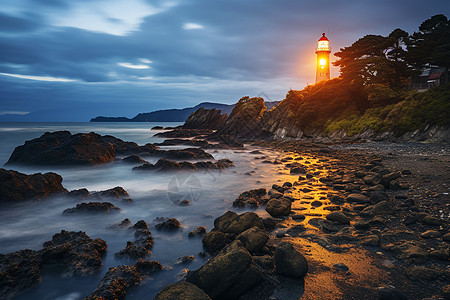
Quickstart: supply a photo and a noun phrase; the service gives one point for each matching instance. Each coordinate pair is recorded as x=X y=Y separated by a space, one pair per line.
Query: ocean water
x=29 y=224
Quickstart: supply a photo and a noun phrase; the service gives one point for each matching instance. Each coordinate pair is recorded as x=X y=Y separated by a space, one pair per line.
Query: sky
x=65 y=60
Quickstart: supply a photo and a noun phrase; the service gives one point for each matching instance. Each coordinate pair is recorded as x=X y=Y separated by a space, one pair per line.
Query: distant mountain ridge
x=174 y=115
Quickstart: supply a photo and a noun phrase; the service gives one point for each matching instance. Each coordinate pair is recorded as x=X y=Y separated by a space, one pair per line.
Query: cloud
x=38 y=78
x=179 y=52
x=131 y=66
x=190 y=26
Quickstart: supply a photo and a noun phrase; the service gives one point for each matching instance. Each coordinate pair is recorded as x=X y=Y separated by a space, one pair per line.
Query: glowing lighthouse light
x=323 y=59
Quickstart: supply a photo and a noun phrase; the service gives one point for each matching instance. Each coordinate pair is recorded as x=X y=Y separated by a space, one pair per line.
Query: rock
x=407 y=250
x=371 y=240
x=18 y=271
x=15 y=186
x=253 y=239
x=244 y=122
x=269 y=223
x=338 y=217
x=289 y=262
x=92 y=208
x=266 y=262
x=63 y=148
x=79 y=194
x=298 y=217
x=167 y=224
x=316 y=203
x=157 y=128
x=230 y=222
x=387 y=178
x=251 y=198
x=184 y=133
x=358 y=198
x=361 y=225
x=429 y=220
x=184 y=259
x=142 y=244
x=279 y=207
x=446 y=291
x=148 y=267
x=184 y=203
x=182 y=290
x=379 y=196
x=215 y=241
x=423 y=273
x=133 y=159
x=390 y=293
x=372 y=179
x=273 y=193
x=297 y=170
x=116 y=282
x=430 y=234
x=76 y=251
x=228 y=275
x=186 y=153
x=123 y=224
x=341 y=267
x=168 y=165
x=117 y=192
x=381 y=208
x=204 y=118
x=446 y=237
x=199 y=231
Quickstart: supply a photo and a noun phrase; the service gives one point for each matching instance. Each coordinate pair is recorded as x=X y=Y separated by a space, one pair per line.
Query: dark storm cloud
x=231 y=48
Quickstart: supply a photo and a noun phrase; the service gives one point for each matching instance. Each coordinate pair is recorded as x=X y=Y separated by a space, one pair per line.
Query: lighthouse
x=323 y=59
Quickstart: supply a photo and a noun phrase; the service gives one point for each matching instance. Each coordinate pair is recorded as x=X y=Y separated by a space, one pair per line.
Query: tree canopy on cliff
x=391 y=60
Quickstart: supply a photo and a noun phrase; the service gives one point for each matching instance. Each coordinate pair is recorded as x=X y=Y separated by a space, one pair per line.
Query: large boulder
x=244 y=122
x=226 y=276
x=289 y=262
x=231 y=222
x=63 y=148
x=279 y=207
x=182 y=290
x=15 y=186
x=204 y=118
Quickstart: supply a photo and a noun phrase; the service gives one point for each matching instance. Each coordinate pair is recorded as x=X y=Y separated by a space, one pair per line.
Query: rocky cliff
x=205 y=119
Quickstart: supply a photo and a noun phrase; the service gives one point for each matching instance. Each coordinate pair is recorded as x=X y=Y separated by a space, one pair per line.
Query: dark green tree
x=430 y=46
x=397 y=55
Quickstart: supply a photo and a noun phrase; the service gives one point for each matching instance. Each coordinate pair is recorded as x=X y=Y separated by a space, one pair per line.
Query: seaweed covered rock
x=251 y=198
x=168 y=165
x=143 y=242
x=76 y=251
x=92 y=208
x=115 y=283
x=18 y=271
x=15 y=186
x=63 y=148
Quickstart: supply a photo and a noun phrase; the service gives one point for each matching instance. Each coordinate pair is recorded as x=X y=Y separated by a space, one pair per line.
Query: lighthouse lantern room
x=323 y=59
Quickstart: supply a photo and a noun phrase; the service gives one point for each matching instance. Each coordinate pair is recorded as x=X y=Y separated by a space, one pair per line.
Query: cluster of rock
x=64 y=148
x=242 y=261
x=143 y=242
x=168 y=165
x=76 y=252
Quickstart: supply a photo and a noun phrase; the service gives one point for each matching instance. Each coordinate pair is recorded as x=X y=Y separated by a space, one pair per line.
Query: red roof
x=435 y=75
x=323 y=38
